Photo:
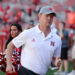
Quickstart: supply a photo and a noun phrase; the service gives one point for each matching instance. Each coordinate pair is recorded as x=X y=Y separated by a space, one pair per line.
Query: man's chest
x=41 y=43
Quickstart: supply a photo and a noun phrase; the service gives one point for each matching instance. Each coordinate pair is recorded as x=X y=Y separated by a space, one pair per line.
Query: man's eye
x=51 y=16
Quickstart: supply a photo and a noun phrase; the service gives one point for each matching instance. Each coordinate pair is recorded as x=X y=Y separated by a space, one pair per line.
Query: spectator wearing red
x=15 y=30
x=71 y=19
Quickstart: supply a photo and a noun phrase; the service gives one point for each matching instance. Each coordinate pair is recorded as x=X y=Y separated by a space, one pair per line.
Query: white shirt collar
x=39 y=31
x=51 y=27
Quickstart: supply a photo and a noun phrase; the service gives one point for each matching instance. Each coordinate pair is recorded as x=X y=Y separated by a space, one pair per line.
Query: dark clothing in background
x=65 y=44
x=65 y=40
x=64 y=53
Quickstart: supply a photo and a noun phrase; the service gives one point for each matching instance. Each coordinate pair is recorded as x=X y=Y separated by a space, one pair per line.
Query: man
x=73 y=56
x=39 y=46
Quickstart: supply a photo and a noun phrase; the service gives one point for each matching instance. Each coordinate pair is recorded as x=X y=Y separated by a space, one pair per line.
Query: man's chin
x=48 y=24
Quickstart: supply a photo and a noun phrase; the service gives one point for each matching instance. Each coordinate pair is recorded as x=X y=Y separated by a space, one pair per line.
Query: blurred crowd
x=25 y=13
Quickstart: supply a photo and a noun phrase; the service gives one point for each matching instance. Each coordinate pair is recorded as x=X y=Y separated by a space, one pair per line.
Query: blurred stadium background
x=25 y=12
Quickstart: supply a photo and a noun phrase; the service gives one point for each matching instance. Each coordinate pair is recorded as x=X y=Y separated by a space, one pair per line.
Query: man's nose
x=49 y=17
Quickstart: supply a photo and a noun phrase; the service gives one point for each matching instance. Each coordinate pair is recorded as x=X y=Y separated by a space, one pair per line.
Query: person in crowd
x=73 y=55
x=31 y=24
x=64 y=34
x=40 y=46
x=15 y=30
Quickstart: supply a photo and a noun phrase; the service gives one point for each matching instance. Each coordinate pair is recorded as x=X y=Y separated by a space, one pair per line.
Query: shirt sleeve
x=20 y=40
x=57 y=52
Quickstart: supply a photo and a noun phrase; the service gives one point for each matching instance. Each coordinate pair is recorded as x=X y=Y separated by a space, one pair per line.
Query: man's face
x=46 y=19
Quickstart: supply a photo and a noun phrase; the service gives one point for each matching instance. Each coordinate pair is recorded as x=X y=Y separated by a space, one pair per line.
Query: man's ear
x=39 y=16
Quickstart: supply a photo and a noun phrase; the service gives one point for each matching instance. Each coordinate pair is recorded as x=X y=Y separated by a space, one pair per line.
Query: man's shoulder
x=57 y=37
x=29 y=31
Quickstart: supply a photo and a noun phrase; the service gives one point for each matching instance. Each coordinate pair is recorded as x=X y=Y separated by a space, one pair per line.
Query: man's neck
x=45 y=29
